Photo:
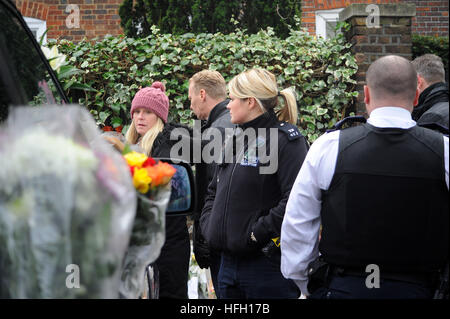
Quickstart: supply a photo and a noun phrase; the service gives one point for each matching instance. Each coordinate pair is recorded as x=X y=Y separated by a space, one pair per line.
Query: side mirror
x=182 y=198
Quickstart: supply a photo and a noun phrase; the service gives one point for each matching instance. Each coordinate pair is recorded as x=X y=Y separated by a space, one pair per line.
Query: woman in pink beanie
x=149 y=111
x=150 y=130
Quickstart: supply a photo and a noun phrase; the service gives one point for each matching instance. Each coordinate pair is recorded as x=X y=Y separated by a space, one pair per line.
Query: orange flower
x=146 y=175
x=160 y=173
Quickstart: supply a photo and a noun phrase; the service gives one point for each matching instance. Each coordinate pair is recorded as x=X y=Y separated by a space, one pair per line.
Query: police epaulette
x=291 y=130
x=349 y=121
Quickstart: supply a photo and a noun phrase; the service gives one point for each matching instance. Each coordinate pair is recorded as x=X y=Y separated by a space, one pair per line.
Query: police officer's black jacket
x=240 y=199
x=387 y=203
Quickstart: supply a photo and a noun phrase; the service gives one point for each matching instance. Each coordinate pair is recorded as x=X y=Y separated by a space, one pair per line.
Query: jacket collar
x=433 y=90
x=216 y=112
x=433 y=94
x=265 y=120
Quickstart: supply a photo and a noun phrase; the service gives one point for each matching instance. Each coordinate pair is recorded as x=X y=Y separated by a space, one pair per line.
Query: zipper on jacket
x=226 y=207
x=227 y=197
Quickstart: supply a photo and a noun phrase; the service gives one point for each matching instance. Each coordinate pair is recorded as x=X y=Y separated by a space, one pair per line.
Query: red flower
x=132 y=168
x=149 y=162
x=107 y=128
x=119 y=129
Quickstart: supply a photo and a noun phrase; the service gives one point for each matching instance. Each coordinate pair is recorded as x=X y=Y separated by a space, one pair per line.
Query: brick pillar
x=391 y=36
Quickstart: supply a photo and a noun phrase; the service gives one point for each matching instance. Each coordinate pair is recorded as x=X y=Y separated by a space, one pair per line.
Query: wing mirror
x=182 y=198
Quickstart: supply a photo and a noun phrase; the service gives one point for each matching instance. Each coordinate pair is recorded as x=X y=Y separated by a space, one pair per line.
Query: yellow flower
x=135 y=159
x=141 y=180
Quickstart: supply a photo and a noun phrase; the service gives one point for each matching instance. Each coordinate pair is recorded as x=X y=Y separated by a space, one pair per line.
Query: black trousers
x=353 y=287
x=173 y=262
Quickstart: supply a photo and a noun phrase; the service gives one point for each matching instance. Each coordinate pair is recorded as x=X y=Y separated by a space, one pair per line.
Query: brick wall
x=96 y=17
x=431 y=17
x=393 y=36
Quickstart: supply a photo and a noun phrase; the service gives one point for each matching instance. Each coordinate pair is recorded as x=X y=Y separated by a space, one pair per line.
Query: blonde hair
x=212 y=82
x=146 y=143
x=262 y=85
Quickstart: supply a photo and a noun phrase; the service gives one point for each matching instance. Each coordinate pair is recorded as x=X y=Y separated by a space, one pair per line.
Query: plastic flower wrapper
x=152 y=183
x=67 y=206
x=198 y=281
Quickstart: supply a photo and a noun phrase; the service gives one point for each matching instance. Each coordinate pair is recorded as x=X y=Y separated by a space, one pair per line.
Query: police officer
x=380 y=192
x=247 y=198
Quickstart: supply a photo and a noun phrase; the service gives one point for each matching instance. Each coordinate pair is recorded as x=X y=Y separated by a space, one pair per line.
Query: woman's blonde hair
x=146 y=142
x=262 y=85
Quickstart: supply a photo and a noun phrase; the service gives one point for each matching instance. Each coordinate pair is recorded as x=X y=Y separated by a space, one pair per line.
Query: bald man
x=380 y=192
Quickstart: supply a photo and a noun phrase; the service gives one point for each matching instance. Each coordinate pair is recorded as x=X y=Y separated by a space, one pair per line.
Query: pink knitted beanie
x=154 y=99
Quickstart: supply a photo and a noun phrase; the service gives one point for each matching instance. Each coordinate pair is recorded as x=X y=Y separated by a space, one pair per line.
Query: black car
x=26 y=77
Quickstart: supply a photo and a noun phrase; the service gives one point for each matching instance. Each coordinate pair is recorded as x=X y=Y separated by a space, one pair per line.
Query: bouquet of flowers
x=152 y=183
x=67 y=206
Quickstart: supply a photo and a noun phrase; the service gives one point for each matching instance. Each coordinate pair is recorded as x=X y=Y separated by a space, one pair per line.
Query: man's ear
x=416 y=98
x=421 y=83
x=366 y=95
x=202 y=94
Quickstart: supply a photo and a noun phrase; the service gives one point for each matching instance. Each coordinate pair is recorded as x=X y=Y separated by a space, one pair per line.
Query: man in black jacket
x=432 y=109
x=207 y=93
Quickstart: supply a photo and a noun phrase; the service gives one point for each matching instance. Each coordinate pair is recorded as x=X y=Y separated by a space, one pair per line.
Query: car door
x=26 y=77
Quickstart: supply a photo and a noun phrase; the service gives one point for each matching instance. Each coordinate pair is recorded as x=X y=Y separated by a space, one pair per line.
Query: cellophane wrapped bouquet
x=152 y=182
x=67 y=206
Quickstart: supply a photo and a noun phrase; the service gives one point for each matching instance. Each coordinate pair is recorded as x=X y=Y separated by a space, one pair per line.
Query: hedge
x=182 y=16
x=114 y=68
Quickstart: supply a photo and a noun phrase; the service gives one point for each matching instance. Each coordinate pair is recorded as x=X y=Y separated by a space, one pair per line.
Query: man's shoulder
x=222 y=120
x=326 y=139
x=439 y=107
x=437 y=114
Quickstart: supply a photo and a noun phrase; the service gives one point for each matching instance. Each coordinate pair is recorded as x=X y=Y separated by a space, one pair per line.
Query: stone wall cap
x=386 y=10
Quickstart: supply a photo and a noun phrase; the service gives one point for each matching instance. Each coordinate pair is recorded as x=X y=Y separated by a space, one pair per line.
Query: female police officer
x=246 y=200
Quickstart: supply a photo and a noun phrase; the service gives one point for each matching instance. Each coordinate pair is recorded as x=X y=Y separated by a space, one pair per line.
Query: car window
x=24 y=78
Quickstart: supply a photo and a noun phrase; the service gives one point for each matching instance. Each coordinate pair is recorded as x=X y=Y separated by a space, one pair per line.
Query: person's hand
x=118 y=145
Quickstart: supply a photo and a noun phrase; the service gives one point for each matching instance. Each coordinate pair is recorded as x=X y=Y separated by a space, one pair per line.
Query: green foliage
x=277 y=14
x=181 y=16
x=429 y=44
x=115 y=67
x=171 y=16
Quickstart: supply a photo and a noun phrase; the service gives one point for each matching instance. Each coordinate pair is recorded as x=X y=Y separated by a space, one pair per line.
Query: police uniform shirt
x=300 y=228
